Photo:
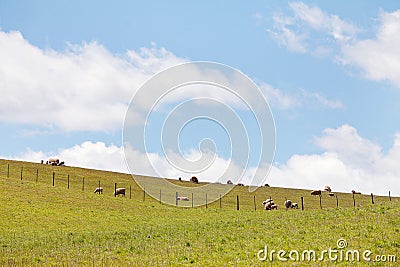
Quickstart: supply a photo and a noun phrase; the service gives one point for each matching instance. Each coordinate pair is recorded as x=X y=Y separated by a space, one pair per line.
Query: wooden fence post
x=354 y=201
x=68 y=181
x=206 y=201
x=255 y=205
x=302 y=203
x=115 y=189
x=144 y=194
x=176 y=198
x=37 y=175
x=53 y=178
x=130 y=192
x=220 y=201
x=160 y=196
x=192 y=200
x=237 y=202
x=390 y=198
x=99 y=184
x=8 y=170
x=372 y=198
x=83 y=184
x=320 y=201
x=337 y=201
x=22 y=168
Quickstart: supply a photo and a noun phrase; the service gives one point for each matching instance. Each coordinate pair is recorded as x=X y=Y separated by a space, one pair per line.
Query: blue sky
x=329 y=69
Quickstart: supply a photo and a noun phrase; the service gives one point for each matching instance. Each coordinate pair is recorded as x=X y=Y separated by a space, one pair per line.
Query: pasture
x=46 y=225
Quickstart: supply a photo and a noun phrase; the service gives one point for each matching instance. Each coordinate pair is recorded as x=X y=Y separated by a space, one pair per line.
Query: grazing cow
x=269 y=204
x=180 y=179
x=266 y=185
x=331 y=194
x=328 y=188
x=119 y=191
x=295 y=205
x=316 y=192
x=240 y=184
x=194 y=180
x=53 y=161
x=98 y=190
x=42 y=161
x=288 y=203
x=354 y=192
x=267 y=201
x=182 y=198
x=229 y=182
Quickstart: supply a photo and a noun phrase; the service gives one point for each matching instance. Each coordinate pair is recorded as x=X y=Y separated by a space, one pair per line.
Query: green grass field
x=46 y=225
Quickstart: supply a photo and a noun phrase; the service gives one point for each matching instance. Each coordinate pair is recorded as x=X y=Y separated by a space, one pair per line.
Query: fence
x=235 y=199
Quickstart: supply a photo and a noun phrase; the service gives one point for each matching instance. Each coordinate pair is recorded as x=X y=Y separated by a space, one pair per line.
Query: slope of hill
x=46 y=225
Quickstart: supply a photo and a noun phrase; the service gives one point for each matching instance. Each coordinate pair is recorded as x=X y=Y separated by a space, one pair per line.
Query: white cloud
x=378 y=57
x=348 y=161
x=280 y=100
x=350 y=148
x=286 y=36
x=315 y=18
x=310 y=30
x=87 y=88
x=313 y=97
x=86 y=155
x=83 y=88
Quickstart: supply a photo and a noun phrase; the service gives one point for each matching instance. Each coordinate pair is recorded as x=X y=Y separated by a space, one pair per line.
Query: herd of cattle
x=53 y=162
x=268 y=204
x=117 y=191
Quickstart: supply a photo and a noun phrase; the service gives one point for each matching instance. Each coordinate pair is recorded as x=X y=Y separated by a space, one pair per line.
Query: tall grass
x=45 y=225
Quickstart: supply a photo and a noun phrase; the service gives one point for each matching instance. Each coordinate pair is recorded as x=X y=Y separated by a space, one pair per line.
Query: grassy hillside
x=46 y=225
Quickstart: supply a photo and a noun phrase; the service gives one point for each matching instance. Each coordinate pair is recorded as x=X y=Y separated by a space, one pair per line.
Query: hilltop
x=46 y=225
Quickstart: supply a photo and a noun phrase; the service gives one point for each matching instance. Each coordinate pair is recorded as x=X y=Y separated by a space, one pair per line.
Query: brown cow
x=194 y=180
x=316 y=192
x=354 y=192
x=119 y=191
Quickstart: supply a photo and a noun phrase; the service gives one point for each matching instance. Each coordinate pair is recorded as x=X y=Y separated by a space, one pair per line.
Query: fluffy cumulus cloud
x=88 y=88
x=93 y=155
x=347 y=161
x=378 y=57
x=83 y=88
